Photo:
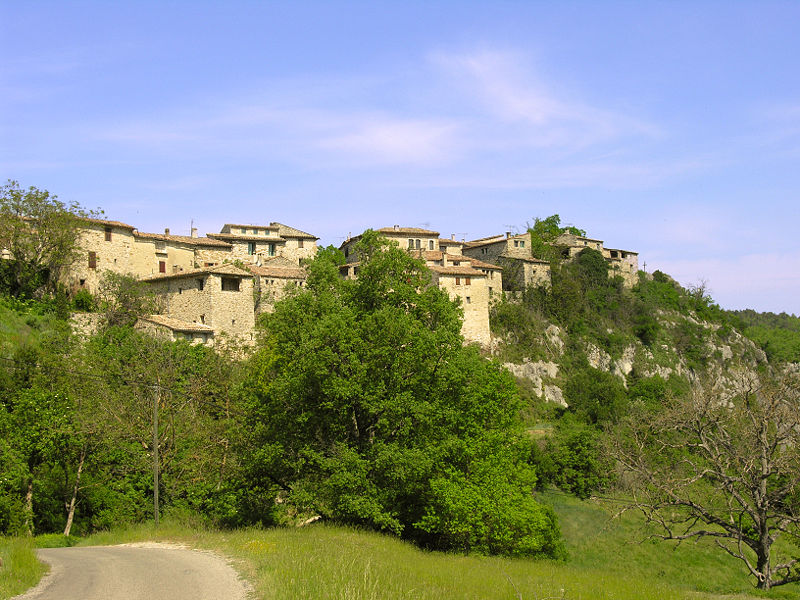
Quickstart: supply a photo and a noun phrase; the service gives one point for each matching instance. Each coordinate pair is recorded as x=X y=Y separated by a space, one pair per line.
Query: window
x=469 y=300
x=251 y=248
x=108 y=233
x=92 y=259
x=410 y=244
x=161 y=247
x=418 y=245
x=458 y=280
x=162 y=266
x=180 y=290
x=255 y=231
x=230 y=284
x=244 y=230
x=299 y=243
x=467 y=280
x=522 y=243
x=430 y=244
x=82 y=282
x=201 y=283
x=484 y=251
x=271 y=249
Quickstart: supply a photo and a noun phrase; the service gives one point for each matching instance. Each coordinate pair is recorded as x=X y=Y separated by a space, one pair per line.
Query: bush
x=84 y=301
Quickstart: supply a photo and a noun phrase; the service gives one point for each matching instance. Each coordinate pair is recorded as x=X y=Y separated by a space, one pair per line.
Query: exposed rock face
x=553 y=334
x=534 y=371
x=553 y=393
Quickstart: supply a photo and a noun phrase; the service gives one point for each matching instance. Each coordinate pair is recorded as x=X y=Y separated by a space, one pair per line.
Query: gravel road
x=147 y=571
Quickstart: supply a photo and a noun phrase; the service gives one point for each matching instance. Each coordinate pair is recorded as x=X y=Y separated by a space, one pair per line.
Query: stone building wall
x=201 y=297
x=105 y=245
x=473 y=291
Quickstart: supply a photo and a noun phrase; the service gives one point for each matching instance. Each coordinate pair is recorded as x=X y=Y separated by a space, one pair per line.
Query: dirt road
x=147 y=571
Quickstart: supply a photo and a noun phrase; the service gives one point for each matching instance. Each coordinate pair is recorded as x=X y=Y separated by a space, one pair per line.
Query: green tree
x=39 y=235
x=124 y=298
x=366 y=408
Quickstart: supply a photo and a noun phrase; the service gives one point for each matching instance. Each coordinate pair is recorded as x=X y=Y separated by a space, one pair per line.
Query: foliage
x=366 y=408
x=595 y=396
x=571 y=458
x=777 y=334
x=40 y=235
x=724 y=467
x=124 y=298
x=544 y=233
x=84 y=301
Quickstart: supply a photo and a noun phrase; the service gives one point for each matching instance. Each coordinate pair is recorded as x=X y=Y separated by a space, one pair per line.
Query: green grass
x=20 y=568
x=607 y=560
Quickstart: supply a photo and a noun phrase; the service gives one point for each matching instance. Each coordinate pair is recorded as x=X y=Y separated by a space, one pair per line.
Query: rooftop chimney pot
x=508 y=234
x=194 y=232
x=166 y=231
x=396 y=227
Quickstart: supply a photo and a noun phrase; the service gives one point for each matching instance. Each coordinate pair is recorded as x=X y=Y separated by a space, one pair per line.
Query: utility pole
x=156 y=402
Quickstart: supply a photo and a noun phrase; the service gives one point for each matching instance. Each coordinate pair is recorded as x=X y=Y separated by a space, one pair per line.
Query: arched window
x=418 y=245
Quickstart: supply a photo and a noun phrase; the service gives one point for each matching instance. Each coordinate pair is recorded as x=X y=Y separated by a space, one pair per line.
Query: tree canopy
x=39 y=237
x=368 y=409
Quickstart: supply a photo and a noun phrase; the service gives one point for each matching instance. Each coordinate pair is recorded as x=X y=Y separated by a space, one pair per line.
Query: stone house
x=219 y=297
x=258 y=243
x=624 y=263
x=272 y=280
x=105 y=245
x=471 y=280
x=513 y=254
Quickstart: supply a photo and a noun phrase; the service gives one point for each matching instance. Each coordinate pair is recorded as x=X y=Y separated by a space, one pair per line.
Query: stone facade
x=513 y=254
x=220 y=297
x=206 y=295
x=624 y=263
x=105 y=245
x=256 y=244
x=471 y=280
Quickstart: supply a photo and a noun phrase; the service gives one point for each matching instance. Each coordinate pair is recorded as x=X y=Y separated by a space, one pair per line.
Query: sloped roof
x=278 y=272
x=225 y=269
x=105 y=222
x=408 y=230
x=178 y=324
x=466 y=271
x=246 y=237
x=286 y=231
x=183 y=239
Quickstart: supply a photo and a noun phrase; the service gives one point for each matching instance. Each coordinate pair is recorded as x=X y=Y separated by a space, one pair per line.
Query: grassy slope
x=20 y=568
x=607 y=560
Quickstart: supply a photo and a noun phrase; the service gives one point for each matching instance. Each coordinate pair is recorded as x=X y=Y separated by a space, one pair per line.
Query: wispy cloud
x=510 y=91
x=474 y=118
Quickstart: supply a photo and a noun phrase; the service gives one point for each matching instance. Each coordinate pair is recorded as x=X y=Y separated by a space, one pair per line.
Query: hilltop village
x=216 y=286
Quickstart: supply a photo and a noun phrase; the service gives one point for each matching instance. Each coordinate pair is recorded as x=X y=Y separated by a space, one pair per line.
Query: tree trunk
x=29 y=507
x=73 y=500
x=763 y=566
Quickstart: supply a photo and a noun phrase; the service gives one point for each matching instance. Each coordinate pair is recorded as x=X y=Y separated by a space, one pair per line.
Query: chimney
x=396 y=227
x=453 y=237
x=508 y=234
x=166 y=231
x=194 y=232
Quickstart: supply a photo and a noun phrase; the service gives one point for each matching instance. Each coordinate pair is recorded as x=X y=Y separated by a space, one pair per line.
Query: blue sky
x=668 y=128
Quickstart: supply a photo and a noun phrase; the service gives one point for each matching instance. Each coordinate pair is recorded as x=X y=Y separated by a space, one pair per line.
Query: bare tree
x=723 y=466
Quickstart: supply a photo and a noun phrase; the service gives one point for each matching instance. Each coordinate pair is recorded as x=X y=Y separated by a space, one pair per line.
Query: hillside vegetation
x=361 y=407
